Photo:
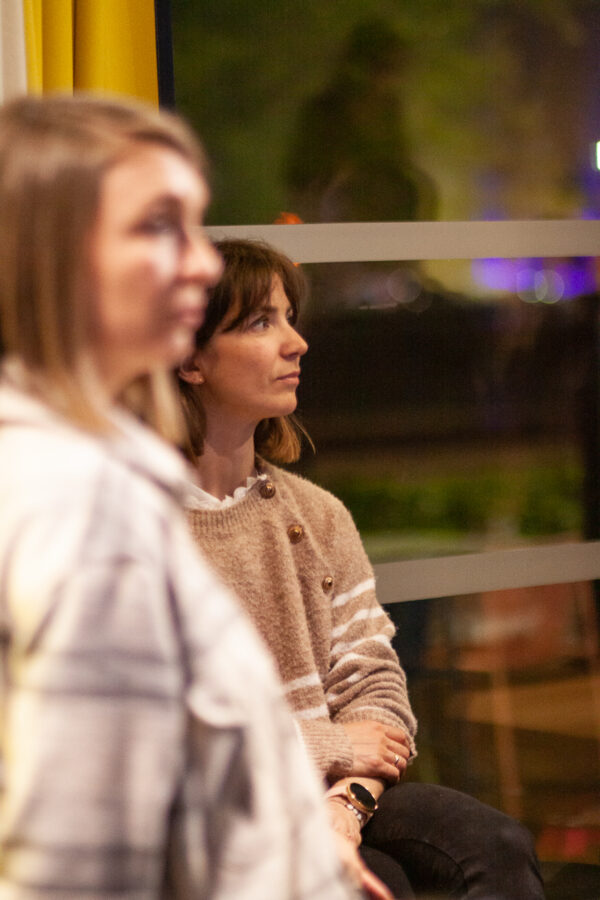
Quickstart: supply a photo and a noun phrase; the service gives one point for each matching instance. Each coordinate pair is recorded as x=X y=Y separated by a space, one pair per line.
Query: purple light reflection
x=537 y=280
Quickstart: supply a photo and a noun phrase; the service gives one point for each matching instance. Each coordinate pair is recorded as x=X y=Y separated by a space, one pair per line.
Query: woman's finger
x=374 y=888
x=398 y=760
x=398 y=750
x=398 y=735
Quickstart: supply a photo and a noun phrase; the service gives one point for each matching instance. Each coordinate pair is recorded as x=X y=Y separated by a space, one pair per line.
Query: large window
x=452 y=383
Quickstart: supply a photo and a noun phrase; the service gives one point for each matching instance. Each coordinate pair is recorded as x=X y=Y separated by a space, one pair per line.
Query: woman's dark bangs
x=251 y=295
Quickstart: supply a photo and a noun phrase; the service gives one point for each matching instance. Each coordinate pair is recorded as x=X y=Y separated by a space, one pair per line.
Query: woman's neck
x=223 y=468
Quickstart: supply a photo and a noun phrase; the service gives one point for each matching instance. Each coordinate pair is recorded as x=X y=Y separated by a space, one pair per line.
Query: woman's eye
x=161 y=225
x=260 y=323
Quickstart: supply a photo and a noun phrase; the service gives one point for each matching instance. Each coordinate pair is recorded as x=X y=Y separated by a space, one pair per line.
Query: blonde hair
x=246 y=283
x=54 y=154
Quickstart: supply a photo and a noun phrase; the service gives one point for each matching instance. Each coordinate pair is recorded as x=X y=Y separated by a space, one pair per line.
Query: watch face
x=364 y=797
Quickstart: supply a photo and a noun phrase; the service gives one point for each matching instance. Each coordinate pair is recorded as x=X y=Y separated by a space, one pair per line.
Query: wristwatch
x=356 y=798
x=360 y=798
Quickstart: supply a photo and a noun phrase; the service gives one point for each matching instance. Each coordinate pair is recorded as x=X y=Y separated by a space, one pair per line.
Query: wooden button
x=267 y=490
x=327 y=583
x=295 y=533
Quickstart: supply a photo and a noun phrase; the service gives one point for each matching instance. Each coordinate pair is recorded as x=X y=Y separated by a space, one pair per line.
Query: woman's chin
x=285 y=409
x=180 y=346
x=275 y=412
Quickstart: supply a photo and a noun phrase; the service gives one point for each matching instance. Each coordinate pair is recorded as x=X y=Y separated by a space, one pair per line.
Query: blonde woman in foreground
x=145 y=748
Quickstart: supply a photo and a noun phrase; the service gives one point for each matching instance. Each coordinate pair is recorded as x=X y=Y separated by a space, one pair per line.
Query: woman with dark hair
x=292 y=554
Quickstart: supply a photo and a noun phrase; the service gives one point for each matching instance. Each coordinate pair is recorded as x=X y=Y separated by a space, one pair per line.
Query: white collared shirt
x=198 y=498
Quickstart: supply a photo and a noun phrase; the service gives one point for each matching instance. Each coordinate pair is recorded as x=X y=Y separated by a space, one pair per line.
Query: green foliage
x=544 y=501
x=551 y=502
x=456 y=504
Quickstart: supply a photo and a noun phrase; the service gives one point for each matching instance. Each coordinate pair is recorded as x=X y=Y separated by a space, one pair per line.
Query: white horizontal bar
x=452 y=576
x=370 y=241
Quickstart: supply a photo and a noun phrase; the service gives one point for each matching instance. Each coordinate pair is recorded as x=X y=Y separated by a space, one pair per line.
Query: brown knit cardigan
x=292 y=554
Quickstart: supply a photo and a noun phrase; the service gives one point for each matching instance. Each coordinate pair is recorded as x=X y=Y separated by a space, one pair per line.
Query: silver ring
x=396 y=759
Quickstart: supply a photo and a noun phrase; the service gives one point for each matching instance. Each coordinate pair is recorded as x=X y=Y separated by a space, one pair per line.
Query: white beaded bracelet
x=362 y=817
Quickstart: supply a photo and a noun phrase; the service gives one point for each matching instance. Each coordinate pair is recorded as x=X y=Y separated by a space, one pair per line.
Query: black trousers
x=434 y=842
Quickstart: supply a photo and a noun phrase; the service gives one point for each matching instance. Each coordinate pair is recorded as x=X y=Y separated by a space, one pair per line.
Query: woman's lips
x=291 y=376
x=192 y=317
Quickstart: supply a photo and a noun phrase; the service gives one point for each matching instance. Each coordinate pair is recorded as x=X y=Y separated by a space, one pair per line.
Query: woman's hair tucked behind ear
x=54 y=154
x=247 y=281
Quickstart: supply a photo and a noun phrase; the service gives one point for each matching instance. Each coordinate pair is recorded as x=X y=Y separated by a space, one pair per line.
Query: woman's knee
x=446 y=838
x=456 y=822
x=511 y=842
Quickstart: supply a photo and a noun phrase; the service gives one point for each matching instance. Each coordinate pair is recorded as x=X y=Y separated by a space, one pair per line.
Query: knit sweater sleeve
x=328 y=746
x=365 y=679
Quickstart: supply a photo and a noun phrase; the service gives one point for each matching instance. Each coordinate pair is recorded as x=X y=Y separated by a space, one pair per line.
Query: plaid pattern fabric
x=146 y=748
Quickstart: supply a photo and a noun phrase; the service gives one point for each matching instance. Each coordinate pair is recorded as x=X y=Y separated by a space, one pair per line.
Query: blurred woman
x=293 y=555
x=145 y=748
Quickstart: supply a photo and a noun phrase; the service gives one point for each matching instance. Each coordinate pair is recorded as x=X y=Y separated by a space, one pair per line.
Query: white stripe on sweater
x=373 y=612
x=362 y=588
x=305 y=681
x=314 y=712
x=343 y=646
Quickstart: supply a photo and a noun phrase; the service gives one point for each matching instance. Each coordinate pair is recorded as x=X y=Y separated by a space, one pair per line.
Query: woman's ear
x=190 y=371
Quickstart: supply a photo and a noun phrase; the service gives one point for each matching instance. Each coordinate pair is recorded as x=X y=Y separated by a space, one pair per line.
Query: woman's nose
x=303 y=345
x=295 y=345
x=201 y=261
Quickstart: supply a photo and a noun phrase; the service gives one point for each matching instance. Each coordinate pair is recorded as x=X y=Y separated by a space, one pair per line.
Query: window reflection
x=506 y=686
x=454 y=421
x=371 y=111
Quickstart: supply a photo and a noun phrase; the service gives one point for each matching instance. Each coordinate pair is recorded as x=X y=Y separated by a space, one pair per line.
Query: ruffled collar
x=197 y=498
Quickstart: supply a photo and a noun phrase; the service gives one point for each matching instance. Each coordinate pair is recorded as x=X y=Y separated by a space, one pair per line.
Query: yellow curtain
x=91 y=45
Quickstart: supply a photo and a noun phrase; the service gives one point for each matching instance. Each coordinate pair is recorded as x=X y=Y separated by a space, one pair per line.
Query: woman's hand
x=356 y=870
x=380 y=751
x=343 y=821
